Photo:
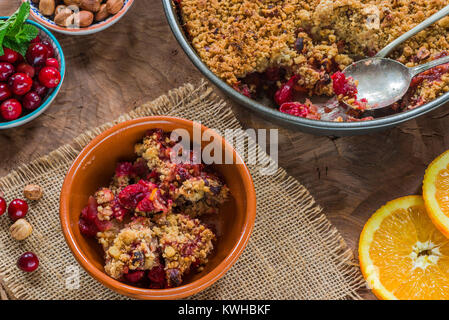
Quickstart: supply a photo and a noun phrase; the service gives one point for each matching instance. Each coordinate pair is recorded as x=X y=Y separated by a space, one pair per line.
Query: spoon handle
x=420 y=27
x=429 y=65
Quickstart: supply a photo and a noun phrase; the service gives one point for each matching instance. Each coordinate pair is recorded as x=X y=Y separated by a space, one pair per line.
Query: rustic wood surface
x=138 y=59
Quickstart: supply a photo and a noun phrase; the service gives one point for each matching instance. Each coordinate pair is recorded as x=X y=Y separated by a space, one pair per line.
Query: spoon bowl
x=381 y=81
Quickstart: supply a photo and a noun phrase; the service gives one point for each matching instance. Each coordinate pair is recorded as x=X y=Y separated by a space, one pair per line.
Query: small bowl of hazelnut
x=78 y=17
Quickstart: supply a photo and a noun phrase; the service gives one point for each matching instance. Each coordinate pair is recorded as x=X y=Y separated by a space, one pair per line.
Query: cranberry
x=37 y=54
x=48 y=45
x=40 y=89
x=20 y=59
x=295 y=108
x=17 y=209
x=6 y=70
x=49 y=77
x=243 y=89
x=344 y=86
x=36 y=40
x=5 y=93
x=124 y=169
x=102 y=225
x=27 y=69
x=28 y=262
x=9 y=55
x=157 y=277
x=10 y=109
x=52 y=62
x=140 y=169
x=92 y=211
x=86 y=228
x=119 y=211
x=134 y=276
x=31 y=101
x=20 y=83
x=2 y=206
x=285 y=92
x=273 y=74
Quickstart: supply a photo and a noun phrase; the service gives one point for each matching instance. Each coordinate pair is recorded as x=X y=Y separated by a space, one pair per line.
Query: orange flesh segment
x=442 y=192
x=391 y=252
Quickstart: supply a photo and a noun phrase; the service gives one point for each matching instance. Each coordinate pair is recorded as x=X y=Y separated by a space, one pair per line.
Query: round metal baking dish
x=306 y=125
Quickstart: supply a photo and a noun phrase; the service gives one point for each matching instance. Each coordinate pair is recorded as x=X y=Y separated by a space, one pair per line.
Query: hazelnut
x=72 y=2
x=90 y=5
x=47 y=7
x=169 y=252
x=64 y=18
x=114 y=6
x=102 y=14
x=84 y=18
x=33 y=192
x=21 y=229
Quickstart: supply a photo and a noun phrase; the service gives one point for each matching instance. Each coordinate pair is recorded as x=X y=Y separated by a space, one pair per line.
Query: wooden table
x=138 y=59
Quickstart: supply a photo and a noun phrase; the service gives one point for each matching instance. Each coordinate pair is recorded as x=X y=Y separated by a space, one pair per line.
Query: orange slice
x=402 y=255
x=436 y=192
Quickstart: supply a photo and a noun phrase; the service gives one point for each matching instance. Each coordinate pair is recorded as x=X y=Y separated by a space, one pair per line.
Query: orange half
x=436 y=192
x=402 y=255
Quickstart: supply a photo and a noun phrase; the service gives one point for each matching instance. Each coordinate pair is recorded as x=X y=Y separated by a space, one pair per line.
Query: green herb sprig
x=15 y=34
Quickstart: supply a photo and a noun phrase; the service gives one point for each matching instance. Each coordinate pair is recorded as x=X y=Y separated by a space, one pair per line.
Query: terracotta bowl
x=94 y=167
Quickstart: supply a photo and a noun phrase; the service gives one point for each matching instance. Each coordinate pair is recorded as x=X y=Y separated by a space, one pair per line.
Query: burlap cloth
x=294 y=251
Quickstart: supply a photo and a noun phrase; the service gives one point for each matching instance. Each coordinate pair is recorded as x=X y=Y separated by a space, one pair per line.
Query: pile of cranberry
x=18 y=209
x=25 y=81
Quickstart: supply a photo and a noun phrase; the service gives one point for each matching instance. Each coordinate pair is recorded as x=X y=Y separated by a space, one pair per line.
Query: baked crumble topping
x=290 y=49
x=148 y=219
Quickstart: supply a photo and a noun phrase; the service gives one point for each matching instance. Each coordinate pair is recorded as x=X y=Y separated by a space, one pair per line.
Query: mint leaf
x=18 y=18
x=18 y=47
x=3 y=30
x=26 y=33
x=15 y=33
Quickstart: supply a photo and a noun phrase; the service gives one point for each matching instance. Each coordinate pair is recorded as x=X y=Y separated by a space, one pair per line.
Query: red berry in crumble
x=285 y=93
x=295 y=109
x=343 y=86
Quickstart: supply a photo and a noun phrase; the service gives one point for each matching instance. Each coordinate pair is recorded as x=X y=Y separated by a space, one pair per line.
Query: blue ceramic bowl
x=44 y=34
x=95 y=27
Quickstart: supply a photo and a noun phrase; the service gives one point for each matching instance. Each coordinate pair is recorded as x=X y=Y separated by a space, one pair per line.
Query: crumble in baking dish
x=291 y=50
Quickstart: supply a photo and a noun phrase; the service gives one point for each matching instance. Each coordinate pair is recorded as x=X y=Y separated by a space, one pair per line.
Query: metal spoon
x=384 y=81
